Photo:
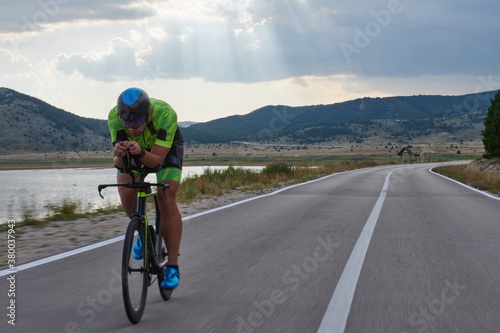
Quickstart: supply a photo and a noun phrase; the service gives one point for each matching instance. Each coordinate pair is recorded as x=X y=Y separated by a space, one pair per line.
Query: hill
x=398 y=119
x=29 y=124
x=184 y=124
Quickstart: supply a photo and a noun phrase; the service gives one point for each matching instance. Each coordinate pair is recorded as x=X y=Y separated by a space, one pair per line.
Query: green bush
x=278 y=168
x=491 y=133
x=66 y=210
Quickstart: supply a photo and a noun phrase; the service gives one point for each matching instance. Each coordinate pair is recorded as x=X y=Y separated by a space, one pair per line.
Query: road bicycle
x=139 y=274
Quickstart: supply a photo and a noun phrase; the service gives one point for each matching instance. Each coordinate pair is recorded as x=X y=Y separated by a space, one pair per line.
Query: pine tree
x=491 y=133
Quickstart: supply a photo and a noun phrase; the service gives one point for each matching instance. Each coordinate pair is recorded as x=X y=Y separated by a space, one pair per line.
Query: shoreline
x=48 y=167
x=107 y=165
x=61 y=160
x=242 y=154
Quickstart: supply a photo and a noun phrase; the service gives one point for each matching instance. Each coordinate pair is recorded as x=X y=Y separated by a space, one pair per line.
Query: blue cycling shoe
x=171 y=278
x=137 y=249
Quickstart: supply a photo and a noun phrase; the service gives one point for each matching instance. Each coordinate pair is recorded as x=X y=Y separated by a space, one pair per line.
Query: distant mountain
x=184 y=124
x=29 y=124
x=398 y=119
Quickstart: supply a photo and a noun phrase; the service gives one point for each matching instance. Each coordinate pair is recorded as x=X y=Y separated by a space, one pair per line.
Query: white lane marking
x=117 y=239
x=60 y=256
x=335 y=317
x=489 y=195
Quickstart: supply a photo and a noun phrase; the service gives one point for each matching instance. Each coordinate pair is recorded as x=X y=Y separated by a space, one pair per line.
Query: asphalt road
x=387 y=249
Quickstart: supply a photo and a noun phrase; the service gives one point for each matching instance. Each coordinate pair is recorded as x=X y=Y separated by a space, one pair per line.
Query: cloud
x=37 y=15
x=423 y=38
x=246 y=53
x=258 y=40
x=119 y=63
x=17 y=63
x=224 y=42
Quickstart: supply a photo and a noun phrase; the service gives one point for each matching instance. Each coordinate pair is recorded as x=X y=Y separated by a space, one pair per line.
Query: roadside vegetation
x=66 y=210
x=474 y=177
x=491 y=132
x=274 y=174
x=483 y=174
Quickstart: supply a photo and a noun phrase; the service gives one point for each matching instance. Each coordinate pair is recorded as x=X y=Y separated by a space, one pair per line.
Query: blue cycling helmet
x=133 y=105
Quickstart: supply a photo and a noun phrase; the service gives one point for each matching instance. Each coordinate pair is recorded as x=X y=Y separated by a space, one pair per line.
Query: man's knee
x=168 y=203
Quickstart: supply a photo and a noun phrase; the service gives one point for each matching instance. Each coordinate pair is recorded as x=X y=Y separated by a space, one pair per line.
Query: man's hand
x=134 y=148
x=121 y=149
x=150 y=160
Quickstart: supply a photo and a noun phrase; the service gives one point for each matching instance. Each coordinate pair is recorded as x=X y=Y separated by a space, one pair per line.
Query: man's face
x=137 y=126
x=138 y=131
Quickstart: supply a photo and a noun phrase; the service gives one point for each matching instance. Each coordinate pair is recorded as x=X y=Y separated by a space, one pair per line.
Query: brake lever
x=100 y=188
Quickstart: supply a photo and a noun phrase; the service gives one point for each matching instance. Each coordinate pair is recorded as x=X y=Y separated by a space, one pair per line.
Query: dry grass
x=483 y=180
x=277 y=173
x=65 y=210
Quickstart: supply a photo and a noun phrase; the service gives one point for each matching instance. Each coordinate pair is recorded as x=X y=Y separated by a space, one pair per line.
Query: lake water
x=33 y=190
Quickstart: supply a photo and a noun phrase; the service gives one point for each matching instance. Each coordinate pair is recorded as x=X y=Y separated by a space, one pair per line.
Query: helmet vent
x=131 y=96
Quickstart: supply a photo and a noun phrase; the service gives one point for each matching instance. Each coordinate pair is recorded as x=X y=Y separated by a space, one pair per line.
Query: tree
x=491 y=133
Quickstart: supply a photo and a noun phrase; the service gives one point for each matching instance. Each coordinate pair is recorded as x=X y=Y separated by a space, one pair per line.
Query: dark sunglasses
x=134 y=124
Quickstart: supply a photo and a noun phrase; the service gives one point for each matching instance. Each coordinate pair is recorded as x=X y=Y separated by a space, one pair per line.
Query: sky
x=212 y=59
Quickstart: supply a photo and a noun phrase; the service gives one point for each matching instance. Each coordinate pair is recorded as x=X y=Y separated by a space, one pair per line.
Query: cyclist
x=147 y=129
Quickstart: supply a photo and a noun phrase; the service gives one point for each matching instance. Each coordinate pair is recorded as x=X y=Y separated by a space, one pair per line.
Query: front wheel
x=135 y=277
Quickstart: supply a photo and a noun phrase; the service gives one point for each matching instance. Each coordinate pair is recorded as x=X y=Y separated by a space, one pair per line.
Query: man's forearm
x=150 y=159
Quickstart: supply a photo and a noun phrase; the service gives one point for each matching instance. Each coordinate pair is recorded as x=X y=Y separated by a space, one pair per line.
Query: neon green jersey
x=160 y=130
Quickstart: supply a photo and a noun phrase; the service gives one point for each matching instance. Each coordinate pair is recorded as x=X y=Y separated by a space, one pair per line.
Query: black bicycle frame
x=144 y=191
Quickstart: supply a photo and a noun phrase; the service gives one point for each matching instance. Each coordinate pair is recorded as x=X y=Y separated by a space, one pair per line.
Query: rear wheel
x=134 y=274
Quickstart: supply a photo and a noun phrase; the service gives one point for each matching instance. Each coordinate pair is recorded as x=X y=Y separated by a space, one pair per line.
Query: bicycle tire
x=135 y=278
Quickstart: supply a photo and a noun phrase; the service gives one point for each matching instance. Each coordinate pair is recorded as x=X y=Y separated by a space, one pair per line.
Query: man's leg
x=128 y=196
x=171 y=223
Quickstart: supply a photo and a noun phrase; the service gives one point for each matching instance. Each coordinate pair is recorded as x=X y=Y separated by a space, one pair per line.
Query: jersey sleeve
x=114 y=125
x=167 y=124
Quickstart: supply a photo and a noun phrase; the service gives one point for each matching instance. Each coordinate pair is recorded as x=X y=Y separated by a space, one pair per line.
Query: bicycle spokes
x=134 y=273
